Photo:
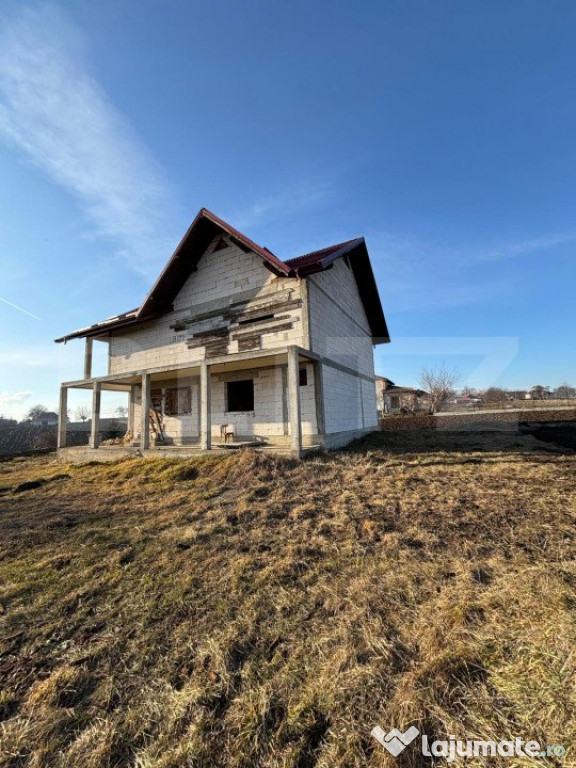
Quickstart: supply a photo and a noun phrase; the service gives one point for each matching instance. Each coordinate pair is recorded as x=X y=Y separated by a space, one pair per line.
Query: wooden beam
x=246 y=301
x=250 y=330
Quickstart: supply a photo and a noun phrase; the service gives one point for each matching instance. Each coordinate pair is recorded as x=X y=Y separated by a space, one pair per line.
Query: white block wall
x=220 y=277
x=349 y=402
x=265 y=421
x=339 y=328
x=340 y=331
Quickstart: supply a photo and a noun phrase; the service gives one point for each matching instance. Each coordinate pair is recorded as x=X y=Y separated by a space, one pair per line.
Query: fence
x=507 y=405
x=25 y=439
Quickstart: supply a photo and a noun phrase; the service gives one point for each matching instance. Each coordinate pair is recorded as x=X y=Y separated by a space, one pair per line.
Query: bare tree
x=565 y=391
x=539 y=392
x=36 y=412
x=82 y=413
x=495 y=395
x=440 y=384
x=121 y=412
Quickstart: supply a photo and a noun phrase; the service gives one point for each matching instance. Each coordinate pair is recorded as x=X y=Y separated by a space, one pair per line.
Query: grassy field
x=248 y=610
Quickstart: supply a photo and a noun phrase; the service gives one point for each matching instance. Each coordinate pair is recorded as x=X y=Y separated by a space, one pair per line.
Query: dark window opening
x=178 y=401
x=255 y=319
x=240 y=395
x=303 y=377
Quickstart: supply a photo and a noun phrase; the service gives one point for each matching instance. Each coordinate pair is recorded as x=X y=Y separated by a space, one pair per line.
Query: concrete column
x=63 y=417
x=205 y=415
x=145 y=413
x=88 y=359
x=284 y=384
x=95 y=429
x=306 y=331
x=319 y=397
x=294 y=401
x=131 y=413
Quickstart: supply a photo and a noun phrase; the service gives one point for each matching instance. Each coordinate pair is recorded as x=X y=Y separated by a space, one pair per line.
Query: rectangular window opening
x=258 y=319
x=178 y=401
x=240 y=395
x=303 y=372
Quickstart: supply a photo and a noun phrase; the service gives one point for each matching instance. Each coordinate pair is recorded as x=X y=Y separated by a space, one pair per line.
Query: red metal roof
x=191 y=248
x=317 y=257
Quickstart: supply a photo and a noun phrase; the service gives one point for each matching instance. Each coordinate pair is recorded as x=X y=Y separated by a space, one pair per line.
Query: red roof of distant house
x=192 y=246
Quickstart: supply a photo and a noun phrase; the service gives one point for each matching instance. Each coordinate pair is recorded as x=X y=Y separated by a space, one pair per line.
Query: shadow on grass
x=528 y=438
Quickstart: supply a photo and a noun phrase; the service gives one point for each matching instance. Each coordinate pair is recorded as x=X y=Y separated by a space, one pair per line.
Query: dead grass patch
x=246 y=610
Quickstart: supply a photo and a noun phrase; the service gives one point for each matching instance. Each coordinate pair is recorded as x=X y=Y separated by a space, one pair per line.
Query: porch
x=272 y=400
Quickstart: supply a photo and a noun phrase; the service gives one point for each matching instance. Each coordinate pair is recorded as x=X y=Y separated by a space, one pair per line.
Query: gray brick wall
x=265 y=421
x=339 y=330
x=220 y=277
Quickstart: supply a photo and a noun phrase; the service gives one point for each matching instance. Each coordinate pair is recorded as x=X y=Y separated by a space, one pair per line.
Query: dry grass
x=252 y=611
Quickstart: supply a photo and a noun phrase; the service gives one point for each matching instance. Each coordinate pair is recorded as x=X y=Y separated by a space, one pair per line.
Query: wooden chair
x=227 y=433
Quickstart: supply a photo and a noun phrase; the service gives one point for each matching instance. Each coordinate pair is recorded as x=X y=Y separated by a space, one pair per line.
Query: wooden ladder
x=156 y=423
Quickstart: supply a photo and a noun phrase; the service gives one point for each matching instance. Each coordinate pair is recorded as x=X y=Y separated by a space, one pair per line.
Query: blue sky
x=441 y=131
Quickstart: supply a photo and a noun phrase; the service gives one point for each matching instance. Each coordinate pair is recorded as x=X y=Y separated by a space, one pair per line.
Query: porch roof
x=226 y=363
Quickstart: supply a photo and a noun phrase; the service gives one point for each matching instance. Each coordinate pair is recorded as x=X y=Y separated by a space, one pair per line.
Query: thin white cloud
x=281 y=203
x=61 y=118
x=20 y=309
x=513 y=250
x=14 y=397
x=417 y=274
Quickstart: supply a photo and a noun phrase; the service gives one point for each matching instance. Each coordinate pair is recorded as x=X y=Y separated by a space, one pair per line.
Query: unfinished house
x=390 y=398
x=233 y=346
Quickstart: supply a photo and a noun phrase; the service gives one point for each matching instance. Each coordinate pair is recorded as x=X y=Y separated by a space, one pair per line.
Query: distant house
x=5 y=423
x=391 y=398
x=47 y=419
x=382 y=384
x=235 y=345
x=518 y=394
x=540 y=393
x=467 y=400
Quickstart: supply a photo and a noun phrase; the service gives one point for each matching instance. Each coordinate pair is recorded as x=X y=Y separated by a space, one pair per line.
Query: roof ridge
x=327 y=249
x=198 y=235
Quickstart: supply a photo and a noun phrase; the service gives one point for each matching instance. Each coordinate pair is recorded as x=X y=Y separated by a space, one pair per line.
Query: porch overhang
x=289 y=356
x=234 y=362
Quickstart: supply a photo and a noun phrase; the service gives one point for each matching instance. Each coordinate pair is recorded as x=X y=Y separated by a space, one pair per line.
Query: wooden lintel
x=259 y=321
x=271 y=308
x=248 y=304
x=262 y=331
x=247 y=343
x=220 y=331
